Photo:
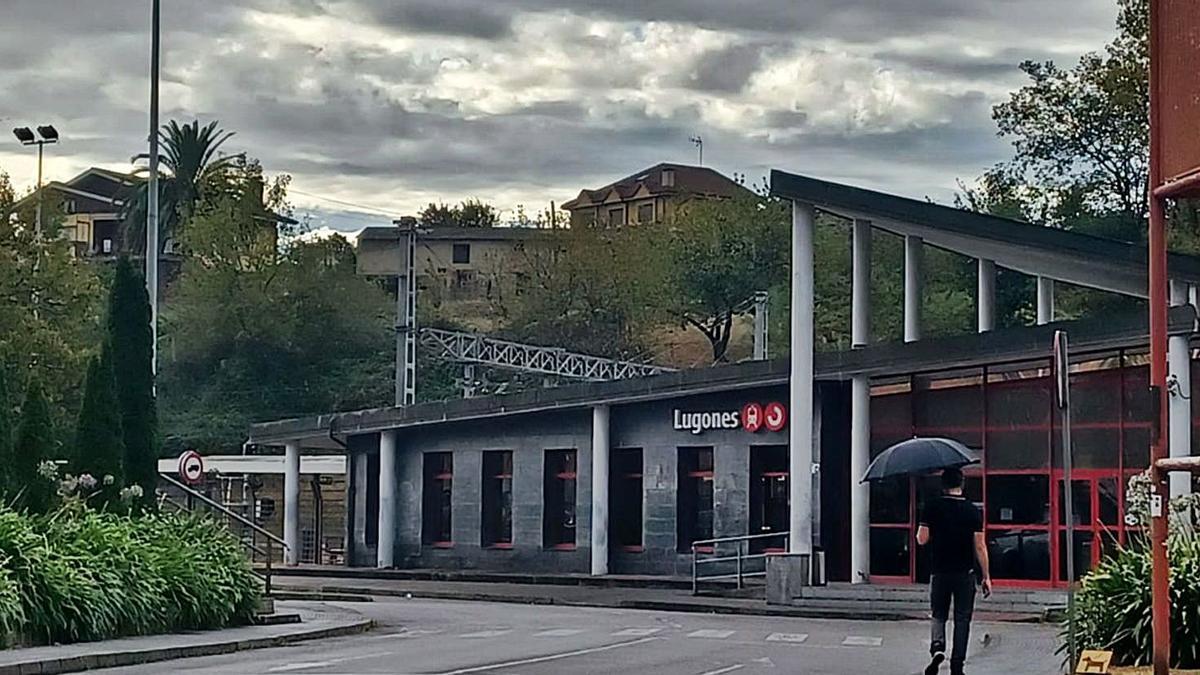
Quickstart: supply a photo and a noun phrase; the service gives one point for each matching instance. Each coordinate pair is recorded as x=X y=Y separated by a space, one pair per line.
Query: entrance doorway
x=768 y=496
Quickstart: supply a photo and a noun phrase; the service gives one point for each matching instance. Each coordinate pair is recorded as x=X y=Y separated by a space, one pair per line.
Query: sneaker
x=935 y=663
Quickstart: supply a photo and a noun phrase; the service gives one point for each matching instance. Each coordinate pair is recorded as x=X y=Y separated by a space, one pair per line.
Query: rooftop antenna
x=699 y=143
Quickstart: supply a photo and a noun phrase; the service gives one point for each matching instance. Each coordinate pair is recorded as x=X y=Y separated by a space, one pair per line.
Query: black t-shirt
x=952 y=522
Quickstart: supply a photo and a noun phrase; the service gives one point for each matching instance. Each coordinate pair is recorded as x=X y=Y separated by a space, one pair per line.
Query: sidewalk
x=614 y=596
x=317 y=621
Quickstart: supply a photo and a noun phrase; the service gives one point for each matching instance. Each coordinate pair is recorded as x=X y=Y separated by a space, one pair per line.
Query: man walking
x=953 y=529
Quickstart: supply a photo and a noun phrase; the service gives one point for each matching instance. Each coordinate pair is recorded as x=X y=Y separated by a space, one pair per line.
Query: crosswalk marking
x=559 y=632
x=487 y=633
x=795 y=638
x=711 y=634
x=860 y=641
x=636 y=632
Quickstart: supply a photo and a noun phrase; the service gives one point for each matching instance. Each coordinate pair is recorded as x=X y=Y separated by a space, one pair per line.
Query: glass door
x=1096 y=504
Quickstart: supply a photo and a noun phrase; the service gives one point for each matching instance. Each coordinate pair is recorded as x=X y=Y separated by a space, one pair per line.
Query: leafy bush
x=78 y=574
x=1112 y=607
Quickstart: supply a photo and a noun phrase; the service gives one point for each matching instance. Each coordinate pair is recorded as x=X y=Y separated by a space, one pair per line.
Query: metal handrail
x=739 y=558
x=223 y=509
x=254 y=527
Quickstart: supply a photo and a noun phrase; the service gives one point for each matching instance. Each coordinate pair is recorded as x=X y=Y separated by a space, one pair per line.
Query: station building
x=645 y=476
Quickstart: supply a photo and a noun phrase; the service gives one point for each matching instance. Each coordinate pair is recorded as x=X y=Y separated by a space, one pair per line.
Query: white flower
x=48 y=469
x=86 y=481
x=108 y=479
x=131 y=493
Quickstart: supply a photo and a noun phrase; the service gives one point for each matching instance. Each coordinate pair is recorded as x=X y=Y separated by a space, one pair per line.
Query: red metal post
x=1160 y=586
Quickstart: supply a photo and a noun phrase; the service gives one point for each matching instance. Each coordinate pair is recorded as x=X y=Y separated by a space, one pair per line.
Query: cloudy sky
x=377 y=107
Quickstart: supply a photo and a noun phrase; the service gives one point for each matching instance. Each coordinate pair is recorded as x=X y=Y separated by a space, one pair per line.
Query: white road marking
x=720 y=671
x=787 y=637
x=559 y=632
x=711 y=634
x=860 y=641
x=302 y=665
x=486 y=634
x=551 y=657
x=636 y=632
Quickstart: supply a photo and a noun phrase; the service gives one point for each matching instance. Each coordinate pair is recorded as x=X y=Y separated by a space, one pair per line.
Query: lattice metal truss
x=471 y=348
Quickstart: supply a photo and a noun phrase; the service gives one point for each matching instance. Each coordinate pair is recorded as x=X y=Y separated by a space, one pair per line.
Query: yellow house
x=649 y=196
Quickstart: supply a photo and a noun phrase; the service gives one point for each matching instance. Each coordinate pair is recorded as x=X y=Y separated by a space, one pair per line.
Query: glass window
x=1083 y=553
x=497 y=499
x=1018 y=499
x=1018 y=434
x=558 y=496
x=645 y=213
x=890 y=501
x=890 y=551
x=625 y=512
x=1093 y=447
x=891 y=421
x=694 y=512
x=616 y=216
x=461 y=254
x=956 y=412
x=1109 y=505
x=1081 y=500
x=1019 y=554
x=1136 y=439
x=436 y=501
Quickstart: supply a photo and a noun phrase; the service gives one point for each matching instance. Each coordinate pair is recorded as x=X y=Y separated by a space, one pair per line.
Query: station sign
x=752 y=417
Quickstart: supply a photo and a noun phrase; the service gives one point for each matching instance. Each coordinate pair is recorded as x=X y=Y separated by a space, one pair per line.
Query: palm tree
x=192 y=169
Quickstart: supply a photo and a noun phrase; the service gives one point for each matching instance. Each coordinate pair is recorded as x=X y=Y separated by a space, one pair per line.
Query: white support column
x=914 y=257
x=1045 y=300
x=860 y=407
x=291 y=503
x=800 y=431
x=386 y=550
x=600 y=451
x=1179 y=411
x=986 y=296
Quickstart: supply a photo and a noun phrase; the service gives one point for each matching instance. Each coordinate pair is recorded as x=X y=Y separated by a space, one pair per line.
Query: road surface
x=462 y=638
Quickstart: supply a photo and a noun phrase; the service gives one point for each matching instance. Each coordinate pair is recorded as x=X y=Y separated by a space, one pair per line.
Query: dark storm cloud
x=726 y=70
x=1003 y=64
x=486 y=19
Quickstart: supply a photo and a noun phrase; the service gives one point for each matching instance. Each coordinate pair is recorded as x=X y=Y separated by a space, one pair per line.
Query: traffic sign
x=191 y=467
x=775 y=416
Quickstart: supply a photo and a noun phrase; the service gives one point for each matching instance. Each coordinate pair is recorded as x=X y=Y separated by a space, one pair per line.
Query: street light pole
x=47 y=135
x=152 y=196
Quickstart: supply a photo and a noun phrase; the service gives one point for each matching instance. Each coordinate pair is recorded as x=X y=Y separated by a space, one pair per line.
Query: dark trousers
x=961 y=589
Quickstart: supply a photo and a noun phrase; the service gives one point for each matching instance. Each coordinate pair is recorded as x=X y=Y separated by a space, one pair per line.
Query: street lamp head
x=24 y=134
x=48 y=133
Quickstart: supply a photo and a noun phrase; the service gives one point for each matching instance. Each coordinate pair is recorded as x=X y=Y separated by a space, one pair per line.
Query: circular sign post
x=752 y=417
x=191 y=467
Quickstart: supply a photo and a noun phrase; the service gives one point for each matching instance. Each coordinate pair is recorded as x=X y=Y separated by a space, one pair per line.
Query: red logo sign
x=775 y=416
x=752 y=417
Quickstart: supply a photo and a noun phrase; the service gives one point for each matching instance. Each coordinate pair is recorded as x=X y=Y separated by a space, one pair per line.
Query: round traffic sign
x=191 y=467
x=752 y=414
x=774 y=416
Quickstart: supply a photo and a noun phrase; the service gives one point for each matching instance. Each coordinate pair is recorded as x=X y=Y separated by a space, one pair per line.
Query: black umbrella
x=918 y=456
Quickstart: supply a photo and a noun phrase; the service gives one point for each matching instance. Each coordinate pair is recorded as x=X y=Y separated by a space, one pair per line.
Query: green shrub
x=1112 y=606
x=78 y=574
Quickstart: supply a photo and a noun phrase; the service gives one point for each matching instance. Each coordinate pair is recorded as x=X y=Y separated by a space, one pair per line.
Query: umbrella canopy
x=919 y=456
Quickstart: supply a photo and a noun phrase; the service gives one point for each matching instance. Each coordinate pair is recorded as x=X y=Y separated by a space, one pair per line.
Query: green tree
x=50 y=305
x=131 y=344
x=721 y=253
x=193 y=171
x=1081 y=135
x=260 y=328
x=595 y=291
x=35 y=444
x=99 y=443
x=470 y=213
x=6 y=433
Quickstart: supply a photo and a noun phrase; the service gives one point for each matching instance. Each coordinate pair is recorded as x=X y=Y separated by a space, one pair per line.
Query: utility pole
x=761 y=323
x=152 y=192
x=406 y=316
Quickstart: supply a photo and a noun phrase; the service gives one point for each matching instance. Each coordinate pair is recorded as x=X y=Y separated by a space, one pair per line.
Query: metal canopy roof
x=1081 y=259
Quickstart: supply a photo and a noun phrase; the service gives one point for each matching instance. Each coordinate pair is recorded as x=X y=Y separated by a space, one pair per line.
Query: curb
x=118 y=659
x=657 y=605
x=493 y=577
x=288 y=593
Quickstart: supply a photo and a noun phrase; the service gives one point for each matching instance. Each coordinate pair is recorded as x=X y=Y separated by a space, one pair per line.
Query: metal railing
x=192 y=497
x=740 y=556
